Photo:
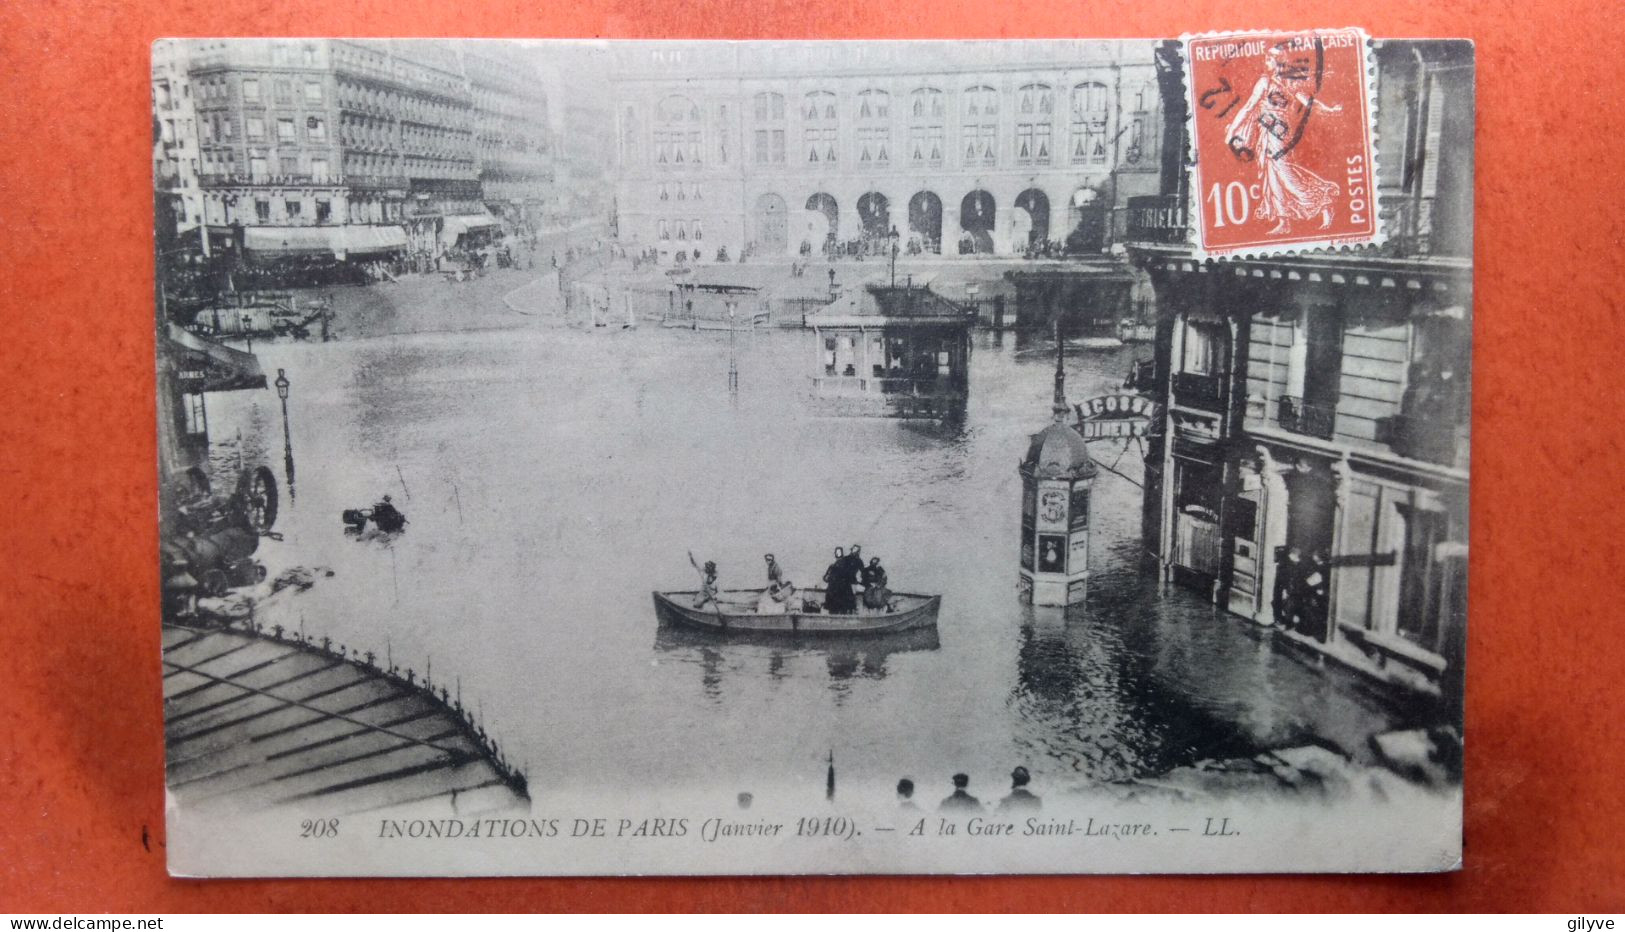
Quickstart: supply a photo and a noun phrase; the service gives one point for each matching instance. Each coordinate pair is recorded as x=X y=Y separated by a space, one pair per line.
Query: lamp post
x=892 y=236
x=733 y=360
x=282 y=386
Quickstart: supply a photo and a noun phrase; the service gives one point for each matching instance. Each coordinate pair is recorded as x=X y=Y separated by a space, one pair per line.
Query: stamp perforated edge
x=1347 y=245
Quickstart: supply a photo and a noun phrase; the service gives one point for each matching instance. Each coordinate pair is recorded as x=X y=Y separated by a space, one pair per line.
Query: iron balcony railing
x=1301 y=417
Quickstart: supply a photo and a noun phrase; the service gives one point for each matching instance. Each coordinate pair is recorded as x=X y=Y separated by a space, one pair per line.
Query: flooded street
x=553 y=477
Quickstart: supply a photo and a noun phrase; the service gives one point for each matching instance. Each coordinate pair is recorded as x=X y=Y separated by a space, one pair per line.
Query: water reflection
x=858 y=657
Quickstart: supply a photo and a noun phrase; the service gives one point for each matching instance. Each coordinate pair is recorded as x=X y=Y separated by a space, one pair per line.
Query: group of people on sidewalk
x=1019 y=798
x=848 y=583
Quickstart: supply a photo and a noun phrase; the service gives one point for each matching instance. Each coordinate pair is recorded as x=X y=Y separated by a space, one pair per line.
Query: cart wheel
x=256 y=491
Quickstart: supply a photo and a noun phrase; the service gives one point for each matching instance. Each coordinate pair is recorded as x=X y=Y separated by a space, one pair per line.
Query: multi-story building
x=1311 y=470
x=962 y=147
x=177 y=158
x=358 y=147
x=511 y=132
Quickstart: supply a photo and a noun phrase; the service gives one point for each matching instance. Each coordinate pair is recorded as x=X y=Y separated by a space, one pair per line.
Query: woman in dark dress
x=838 y=581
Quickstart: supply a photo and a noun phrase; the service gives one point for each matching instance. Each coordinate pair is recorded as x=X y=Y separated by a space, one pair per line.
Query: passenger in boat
x=960 y=799
x=875 y=594
x=777 y=599
x=775 y=575
x=1020 y=799
x=839 y=579
x=709 y=590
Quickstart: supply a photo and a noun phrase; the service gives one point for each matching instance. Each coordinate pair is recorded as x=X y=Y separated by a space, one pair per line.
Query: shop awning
x=206 y=366
x=294 y=241
x=369 y=240
x=456 y=225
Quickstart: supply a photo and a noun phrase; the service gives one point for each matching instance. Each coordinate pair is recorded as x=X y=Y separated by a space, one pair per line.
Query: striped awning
x=206 y=366
x=294 y=241
x=370 y=240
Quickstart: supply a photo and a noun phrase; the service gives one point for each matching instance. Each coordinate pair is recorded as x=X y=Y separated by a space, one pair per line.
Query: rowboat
x=737 y=612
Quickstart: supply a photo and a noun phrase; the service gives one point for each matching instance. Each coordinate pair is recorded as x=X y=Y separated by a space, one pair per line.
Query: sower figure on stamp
x=1264 y=128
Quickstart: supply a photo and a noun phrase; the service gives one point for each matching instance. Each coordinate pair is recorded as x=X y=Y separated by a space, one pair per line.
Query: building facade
x=177 y=159
x=1311 y=472
x=512 y=133
x=337 y=134
x=787 y=148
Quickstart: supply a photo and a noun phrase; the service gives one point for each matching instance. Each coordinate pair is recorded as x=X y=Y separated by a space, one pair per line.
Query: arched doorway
x=772 y=225
x=976 y=215
x=1036 y=205
x=825 y=204
x=925 y=223
x=874 y=216
x=1087 y=211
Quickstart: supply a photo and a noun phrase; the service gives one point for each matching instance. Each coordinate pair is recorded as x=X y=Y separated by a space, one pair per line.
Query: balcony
x=376 y=182
x=1199 y=391
x=1311 y=420
x=268 y=180
x=1428 y=439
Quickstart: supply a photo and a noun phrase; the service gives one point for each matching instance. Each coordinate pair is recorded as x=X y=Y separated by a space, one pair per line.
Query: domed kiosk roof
x=1059 y=452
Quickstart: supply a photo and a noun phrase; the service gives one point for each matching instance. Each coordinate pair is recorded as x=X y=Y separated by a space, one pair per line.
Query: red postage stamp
x=1281 y=131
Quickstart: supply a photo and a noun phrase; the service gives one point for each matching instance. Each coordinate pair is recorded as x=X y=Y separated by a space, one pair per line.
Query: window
x=310 y=56
x=284 y=92
x=1035 y=109
x=1088 y=125
x=225 y=128
x=874 y=143
x=664 y=231
x=926 y=105
x=820 y=145
x=769 y=107
x=316 y=129
x=290 y=165
x=313 y=92
x=981 y=144
x=251 y=91
x=294 y=209
x=256 y=128
x=258 y=169
x=874 y=104
x=208 y=131
x=1033 y=143
x=981 y=125
x=665 y=194
x=682 y=230
x=324 y=211
x=318 y=170
x=284 y=129
x=262 y=211
x=1201 y=349
x=698 y=234
x=819 y=107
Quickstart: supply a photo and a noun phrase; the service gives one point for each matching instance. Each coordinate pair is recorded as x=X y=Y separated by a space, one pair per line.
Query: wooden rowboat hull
x=737 y=614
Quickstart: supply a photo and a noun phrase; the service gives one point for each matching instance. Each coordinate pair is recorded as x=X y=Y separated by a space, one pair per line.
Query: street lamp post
x=893 y=238
x=733 y=360
x=282 y=386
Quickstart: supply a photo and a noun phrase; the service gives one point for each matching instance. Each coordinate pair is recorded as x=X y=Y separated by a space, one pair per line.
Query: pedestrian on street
x=1020 y=799
x=960 y=800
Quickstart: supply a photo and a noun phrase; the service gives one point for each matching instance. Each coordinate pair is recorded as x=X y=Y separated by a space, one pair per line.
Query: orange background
x=81 y=750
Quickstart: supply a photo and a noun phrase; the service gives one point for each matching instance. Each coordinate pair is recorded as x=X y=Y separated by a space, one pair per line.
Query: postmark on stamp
x=1281 y=133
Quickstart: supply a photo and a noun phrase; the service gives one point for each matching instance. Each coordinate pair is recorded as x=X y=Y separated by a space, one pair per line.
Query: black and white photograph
x=812 y=457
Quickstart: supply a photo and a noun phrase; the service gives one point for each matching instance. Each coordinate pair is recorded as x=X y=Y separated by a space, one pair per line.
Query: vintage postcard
x=813 y=457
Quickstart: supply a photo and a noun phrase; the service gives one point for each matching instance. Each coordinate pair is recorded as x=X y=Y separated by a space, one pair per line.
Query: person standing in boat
x=875 y=594
x=838 y=581
x=775 y=574
x=709 y=590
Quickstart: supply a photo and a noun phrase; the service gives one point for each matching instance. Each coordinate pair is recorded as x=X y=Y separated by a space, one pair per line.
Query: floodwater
x=553 y=477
